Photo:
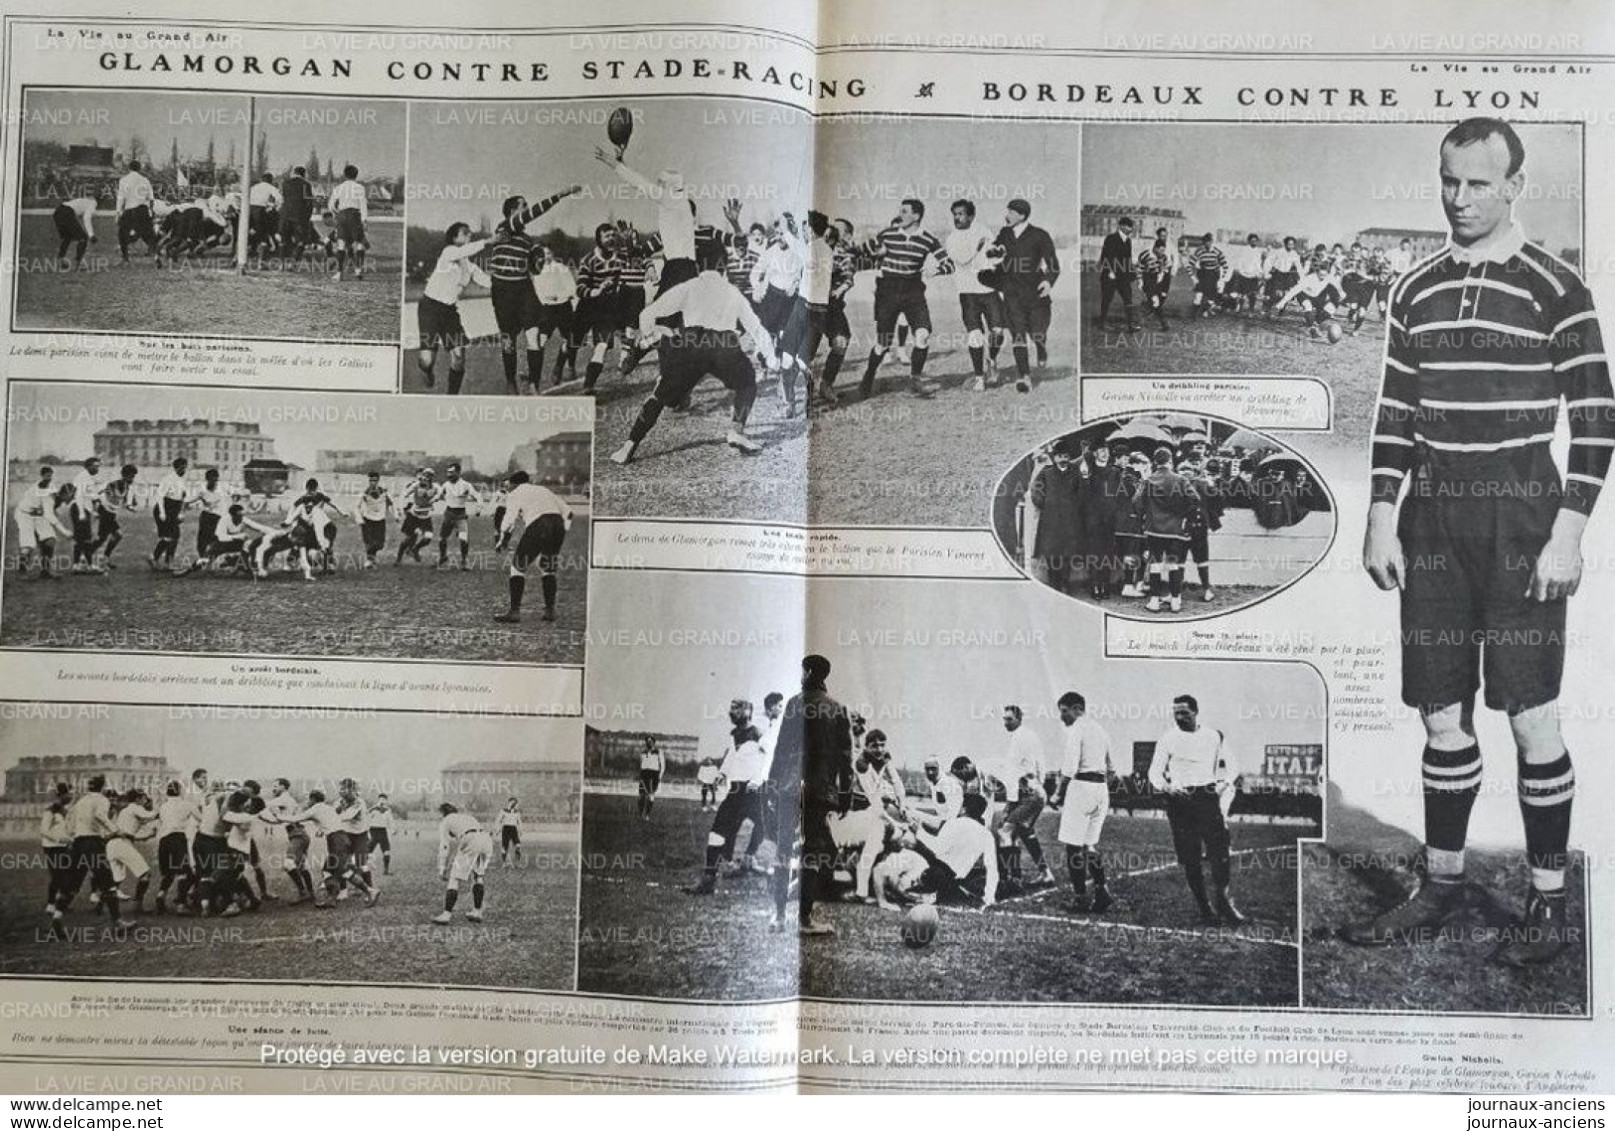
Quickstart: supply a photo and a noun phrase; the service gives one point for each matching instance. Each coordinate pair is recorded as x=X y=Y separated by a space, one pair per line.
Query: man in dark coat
x=1027 y=271
x=1116 y=272
x=1056 y=482
x=810 y=778
x=296 y=214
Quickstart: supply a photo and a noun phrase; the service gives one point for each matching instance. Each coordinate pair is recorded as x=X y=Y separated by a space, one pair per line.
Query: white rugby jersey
x=1087 y=748
x=459 y=494
x=1189 y=759
x=530 y=501
x=968 y=249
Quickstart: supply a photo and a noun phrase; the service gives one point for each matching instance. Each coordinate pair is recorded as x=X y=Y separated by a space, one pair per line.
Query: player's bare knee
x=1451 y=727
x=1537 y=737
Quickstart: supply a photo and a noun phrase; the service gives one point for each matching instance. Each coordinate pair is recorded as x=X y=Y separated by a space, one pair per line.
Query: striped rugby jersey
x=741 y=260
x=1480 y=352
x=513 y=255
x=1152 y=262
x=651 y=244
x=598 y=270
x=635 y=269
x=1208 y=258
x=902 y=254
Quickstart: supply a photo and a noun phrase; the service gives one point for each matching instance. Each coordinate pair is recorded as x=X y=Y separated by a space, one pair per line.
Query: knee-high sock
x=870 y=368
x=917 y=360
x=649 y=413
x=535 y=366
x=832 y=366
x=1546 y=791
x=1076 y=868
x=456 y=377
x=744 y=399
x=1023 y=360
x=1451 y=784
x=518 y=585
x=477 y=892
x=1034 y=848
x=978 y=360
x=547 y=584
x=1096 y=869
x=507 y=358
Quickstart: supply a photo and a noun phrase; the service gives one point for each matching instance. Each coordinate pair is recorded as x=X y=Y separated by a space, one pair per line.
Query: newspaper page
x=828 y=547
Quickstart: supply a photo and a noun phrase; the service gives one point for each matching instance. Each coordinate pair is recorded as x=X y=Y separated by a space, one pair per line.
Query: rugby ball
x=1335 y=333
x=620 y=126
x=920 y=925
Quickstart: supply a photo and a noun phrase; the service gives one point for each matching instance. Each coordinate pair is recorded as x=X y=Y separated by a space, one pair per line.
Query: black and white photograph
x=227 y=844
x=1491 y=442
x=1273 y=248
x=1164 y=514
x=210 y=215
x=311 y=524
x=876 y=302
x=947 y=797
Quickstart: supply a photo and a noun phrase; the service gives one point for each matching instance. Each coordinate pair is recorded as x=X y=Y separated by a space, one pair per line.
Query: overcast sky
x=931 y=663
x=465 y=158
x=1325 y=181
x=62 y=419
x=368 y=133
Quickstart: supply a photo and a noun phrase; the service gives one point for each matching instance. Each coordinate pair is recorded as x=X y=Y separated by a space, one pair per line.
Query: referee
x=1191 y=767
x=1488 y=341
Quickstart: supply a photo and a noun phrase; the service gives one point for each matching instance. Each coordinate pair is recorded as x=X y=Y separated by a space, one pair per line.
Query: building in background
x=561 y=462
x=33 y=779
x=1099 y=220
x=152 y=445
x=615 y=753
x=549 y=790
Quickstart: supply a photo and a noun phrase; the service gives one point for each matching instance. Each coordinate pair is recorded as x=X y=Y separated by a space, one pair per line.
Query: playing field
x=526 y=941
x=641 y=935
x=408 y=611
x=206 y=297
x=1238 y=344
x=1343 y=882
x=895 y=459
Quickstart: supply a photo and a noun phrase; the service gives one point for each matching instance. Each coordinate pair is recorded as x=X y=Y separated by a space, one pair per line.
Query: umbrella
x=1194 y=436
x=1182 y=422
x=1245 y=438
x=1100 y=432
x=1282 y=460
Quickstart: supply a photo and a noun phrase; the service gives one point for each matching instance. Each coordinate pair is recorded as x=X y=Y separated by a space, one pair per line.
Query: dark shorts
x=380 y=839
x=1471 y=534
x=414 y=523
x=439 y=324
x=173 y=855
x=981 y=310
x=1023 y=814
x=650 y=781
x=629 y=305
x=689 y=358
x=836 y=324
x=360 y=846
x=775 y=310
x=1244 y=285
x=550 y=317
x=206 y=850
x=515 y=306
x=1156 y=284
x=453 y=519
x=106 y=523
x=1164 y=548
x=1359 y=290
x=900 y=297
x=540 y=543
x=1324 y=299
x=68 y=224
x=1025 y=314
x=509 y=836
x=350 y=227
x=596 y=315
x=1208 y=282
x=374 y=533
x=1280 y=283
x=167 y=517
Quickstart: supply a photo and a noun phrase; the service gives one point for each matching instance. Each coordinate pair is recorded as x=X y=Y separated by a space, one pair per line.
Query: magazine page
x=842 y=549
x=324 y=346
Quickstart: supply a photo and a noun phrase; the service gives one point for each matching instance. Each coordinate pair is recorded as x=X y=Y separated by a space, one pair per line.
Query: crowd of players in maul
x=813 y=767
x=229 y=540
x=281 y=222
x=728 y=302
x=214 y=839
x=1125 y=512
x=1251 y=278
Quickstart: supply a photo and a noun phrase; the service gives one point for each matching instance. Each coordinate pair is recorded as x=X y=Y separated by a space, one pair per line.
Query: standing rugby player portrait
x=1490 y=339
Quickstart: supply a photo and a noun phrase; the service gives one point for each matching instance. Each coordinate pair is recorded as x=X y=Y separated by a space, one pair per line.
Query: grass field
x=207 y=297
x=1238 y=344
x=526 y=941
x=641 y=935
x=411 y=611
x=1343 y=882
x=893 y=460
